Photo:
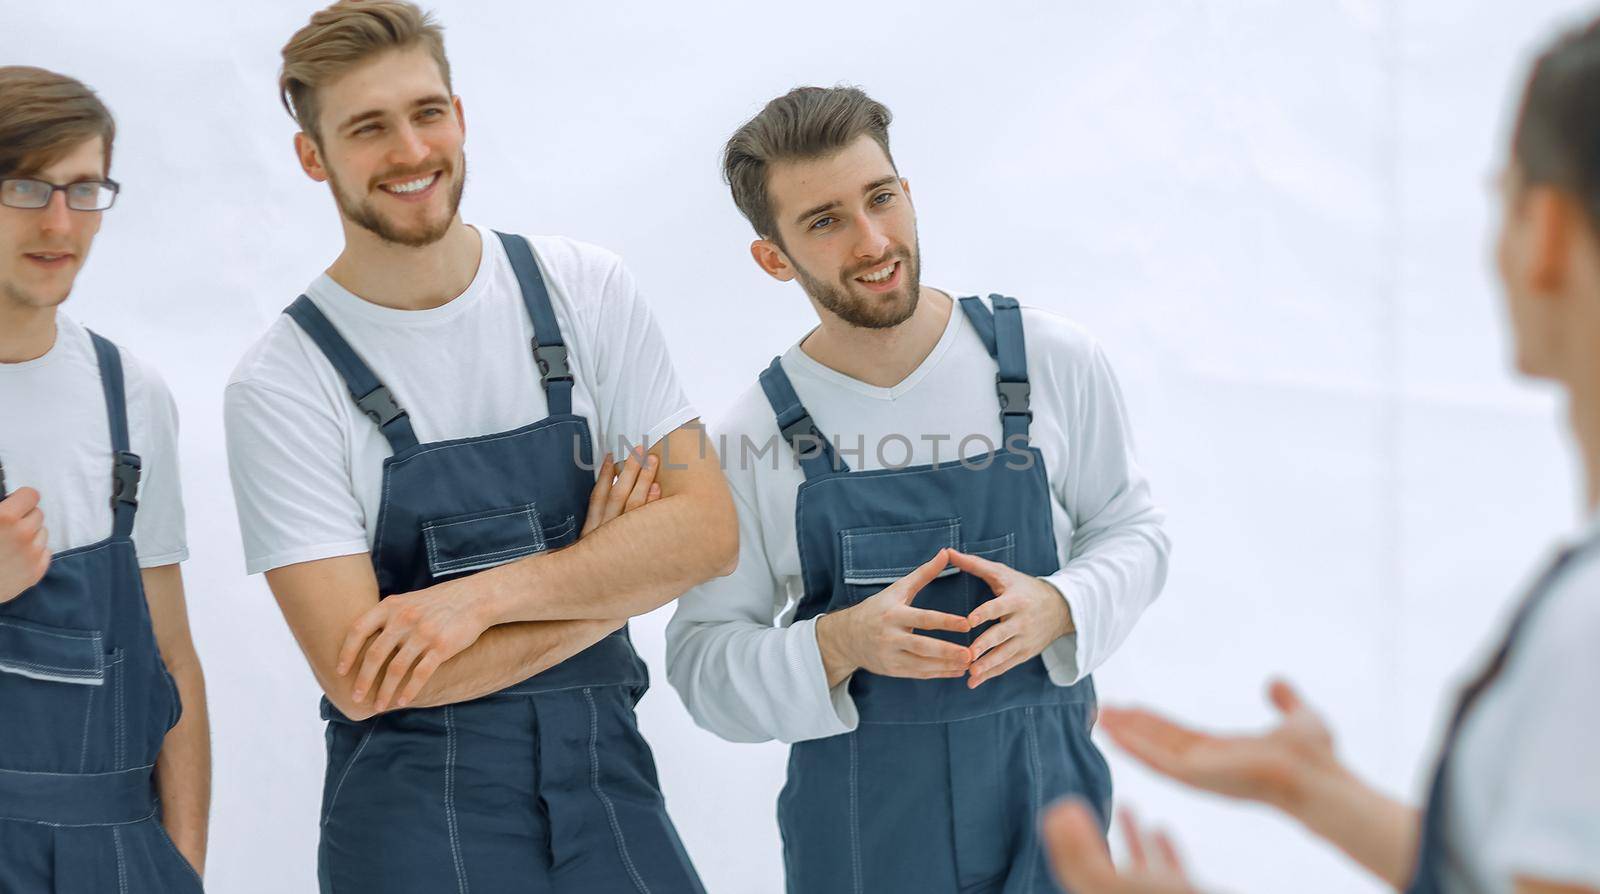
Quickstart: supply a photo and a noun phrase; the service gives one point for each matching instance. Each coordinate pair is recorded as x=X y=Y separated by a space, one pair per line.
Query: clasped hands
x=879 y=634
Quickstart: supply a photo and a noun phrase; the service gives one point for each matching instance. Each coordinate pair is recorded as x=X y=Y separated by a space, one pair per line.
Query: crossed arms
x=468 y=637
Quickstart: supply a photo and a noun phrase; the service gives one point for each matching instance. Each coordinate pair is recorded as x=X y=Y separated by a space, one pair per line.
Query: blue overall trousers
x=85 y=704
x=938 y=788
x=546 y=785
x=1428 y=876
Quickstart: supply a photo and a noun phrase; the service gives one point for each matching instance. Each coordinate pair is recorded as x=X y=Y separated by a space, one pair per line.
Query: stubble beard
x=362 y=213
x=871 y=312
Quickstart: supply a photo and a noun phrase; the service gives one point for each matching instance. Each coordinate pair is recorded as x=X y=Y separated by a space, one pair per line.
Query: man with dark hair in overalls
x=413 y=447
x=102 y=786
x=943 y=531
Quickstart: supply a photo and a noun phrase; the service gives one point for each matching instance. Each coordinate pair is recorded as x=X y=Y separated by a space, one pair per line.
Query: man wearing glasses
x=102 y=786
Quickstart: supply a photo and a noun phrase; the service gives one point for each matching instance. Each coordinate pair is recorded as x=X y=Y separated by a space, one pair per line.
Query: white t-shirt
x=55 y=438
x=746 y=679
x=306 y=463
x=1524 y=783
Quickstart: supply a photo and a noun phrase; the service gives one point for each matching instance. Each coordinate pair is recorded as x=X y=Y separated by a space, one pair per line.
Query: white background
x=1276 y=216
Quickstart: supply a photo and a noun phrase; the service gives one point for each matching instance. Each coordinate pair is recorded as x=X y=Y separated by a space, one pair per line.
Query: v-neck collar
x=796 y=360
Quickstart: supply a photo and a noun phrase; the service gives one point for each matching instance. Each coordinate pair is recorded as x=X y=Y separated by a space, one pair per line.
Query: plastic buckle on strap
x=125 y=478
x=1013 y=397
x=380 y=406
x=552 y=363
x=803 y=428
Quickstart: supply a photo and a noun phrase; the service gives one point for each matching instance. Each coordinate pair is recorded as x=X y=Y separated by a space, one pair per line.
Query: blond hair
x=341 y=37
x=43 y=115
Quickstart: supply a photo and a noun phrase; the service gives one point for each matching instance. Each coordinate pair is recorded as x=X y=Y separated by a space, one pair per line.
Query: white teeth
x=411 y=186
x=880 y=276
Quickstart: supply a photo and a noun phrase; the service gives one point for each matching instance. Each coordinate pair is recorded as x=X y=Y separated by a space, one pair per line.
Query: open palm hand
x=1266 y=767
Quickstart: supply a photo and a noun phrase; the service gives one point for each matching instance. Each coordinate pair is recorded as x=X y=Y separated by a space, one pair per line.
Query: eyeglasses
x=84 y=195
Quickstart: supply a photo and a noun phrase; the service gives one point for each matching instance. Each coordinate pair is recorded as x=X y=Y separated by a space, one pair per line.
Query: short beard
x=840 y=299
x=362 y=214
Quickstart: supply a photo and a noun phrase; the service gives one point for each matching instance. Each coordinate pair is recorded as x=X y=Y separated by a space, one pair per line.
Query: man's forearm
x=183 y=768
x=628 y=567
x=1375 y=830
x=507 y=654
x=835 y=665
x=634 y=563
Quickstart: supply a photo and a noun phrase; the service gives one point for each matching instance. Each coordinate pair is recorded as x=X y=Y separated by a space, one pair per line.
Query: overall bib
x=938 y=788
x=85 y=704
x=1429 y=874
x=547 y=785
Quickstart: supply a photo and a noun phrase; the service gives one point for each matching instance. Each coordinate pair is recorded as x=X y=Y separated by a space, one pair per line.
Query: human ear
x=770 y=257
x=310 y=155
x=1552 y=222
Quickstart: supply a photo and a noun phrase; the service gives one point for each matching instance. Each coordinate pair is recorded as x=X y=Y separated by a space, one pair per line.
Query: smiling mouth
x=880 y=275
x=48 y=257
x=412 y=186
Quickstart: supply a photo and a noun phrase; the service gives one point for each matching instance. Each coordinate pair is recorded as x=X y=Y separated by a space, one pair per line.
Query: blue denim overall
x=547 y=785
x=85 y=704
x=1433 y=849
x=938 y=787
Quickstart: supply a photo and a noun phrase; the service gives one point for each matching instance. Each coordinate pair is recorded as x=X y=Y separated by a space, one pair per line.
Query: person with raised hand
x=1514 y=802
x=24 y=542
x=105 y=754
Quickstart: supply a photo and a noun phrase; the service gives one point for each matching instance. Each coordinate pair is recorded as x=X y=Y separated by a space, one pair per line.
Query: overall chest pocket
x=478 y=540
x=872 y=558
x=51 y=678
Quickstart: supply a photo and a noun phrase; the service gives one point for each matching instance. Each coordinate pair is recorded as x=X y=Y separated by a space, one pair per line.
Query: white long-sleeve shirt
x=748 y=673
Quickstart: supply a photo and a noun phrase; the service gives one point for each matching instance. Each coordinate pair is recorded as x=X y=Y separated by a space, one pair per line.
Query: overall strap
x=1432 y=843
x=126 y=466
x=816 y=454
x=371 y=395
x=1001 y=332
x=549 y=352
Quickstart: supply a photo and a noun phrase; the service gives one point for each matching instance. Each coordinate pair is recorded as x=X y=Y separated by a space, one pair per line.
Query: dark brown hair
x=1557 y=138
x=44 y=115
x=805 y=123
x=343 y=36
